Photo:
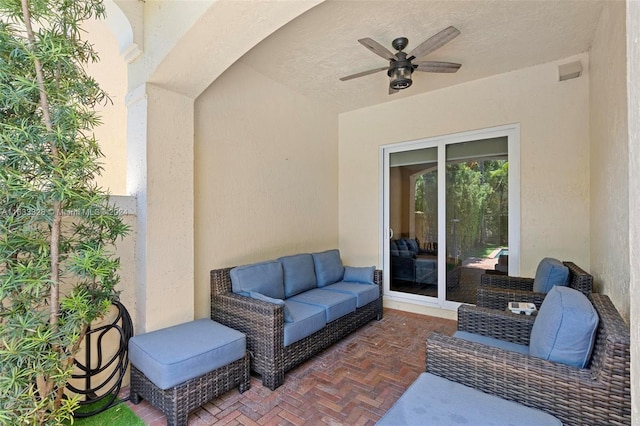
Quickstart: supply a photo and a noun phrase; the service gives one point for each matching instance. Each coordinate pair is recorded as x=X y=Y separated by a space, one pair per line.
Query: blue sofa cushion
x=402 y=245
x=299 y=273
x=359 y=274
x=550 y=272
x=305 y=320
x=328 y=266
x=565 y=328
x=265 y=277
x=490 y=341
x=176 y=354
x=260 y=296
x=364 y=293
x=434 y=400
x=334 y=303
x=412 y=245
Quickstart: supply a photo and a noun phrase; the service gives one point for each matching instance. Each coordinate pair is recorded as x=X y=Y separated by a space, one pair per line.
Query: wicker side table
x=179 y=368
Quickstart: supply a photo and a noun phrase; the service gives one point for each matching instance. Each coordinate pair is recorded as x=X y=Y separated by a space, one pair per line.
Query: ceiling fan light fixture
x=400 y=75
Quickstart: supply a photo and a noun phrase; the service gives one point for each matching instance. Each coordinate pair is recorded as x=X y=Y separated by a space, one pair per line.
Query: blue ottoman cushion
x=433 y=400
x=173 y=355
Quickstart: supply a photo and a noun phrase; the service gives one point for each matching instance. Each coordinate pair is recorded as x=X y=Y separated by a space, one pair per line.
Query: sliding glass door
x=451 y=213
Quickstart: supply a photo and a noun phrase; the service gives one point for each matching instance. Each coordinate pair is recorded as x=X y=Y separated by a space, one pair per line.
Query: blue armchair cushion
x=565 y=328
x=491 y=341
x=299 y=274
x=550 y=272
x=265 y=277
x=362 y=275
x=328 y=266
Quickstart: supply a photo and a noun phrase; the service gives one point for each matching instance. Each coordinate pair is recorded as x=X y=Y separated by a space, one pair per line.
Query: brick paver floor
x=354 y=382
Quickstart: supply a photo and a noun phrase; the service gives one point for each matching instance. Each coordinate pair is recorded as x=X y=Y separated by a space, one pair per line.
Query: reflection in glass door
x=413 y=217
x=451 y=210
x=477 y=215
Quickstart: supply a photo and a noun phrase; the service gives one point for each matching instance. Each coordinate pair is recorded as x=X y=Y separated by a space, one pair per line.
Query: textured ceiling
x=312 y=52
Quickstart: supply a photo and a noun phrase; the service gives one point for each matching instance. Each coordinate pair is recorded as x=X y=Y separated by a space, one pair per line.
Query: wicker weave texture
x=496 y=291
x=177 y=402
x=263 y=325
x=597 y=395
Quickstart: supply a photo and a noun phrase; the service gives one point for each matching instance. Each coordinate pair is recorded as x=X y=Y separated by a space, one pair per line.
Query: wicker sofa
x=496 y=291
x=274 y=342
x=596 y=395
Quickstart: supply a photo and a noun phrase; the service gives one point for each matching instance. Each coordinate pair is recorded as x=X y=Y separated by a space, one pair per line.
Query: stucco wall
x=609 y=158
x=266 y=175
x=111 y=73
x=554 y=156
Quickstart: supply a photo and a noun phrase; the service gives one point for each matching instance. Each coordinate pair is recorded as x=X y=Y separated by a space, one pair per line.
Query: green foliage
x=57 y=271
x=477 y=205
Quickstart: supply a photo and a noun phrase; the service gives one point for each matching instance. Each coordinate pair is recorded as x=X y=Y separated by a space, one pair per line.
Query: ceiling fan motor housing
x=400 y=72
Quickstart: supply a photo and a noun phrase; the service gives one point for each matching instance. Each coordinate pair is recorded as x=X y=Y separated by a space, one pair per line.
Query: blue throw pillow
x=329 y=268
x=565 y=328
x=362 y=275
x=265 y=277
x=550 y=272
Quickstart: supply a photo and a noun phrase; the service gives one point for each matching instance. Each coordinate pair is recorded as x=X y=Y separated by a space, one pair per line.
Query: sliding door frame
x=512 y=132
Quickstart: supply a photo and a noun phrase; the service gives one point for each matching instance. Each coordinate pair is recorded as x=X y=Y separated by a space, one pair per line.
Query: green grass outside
x=118 y=415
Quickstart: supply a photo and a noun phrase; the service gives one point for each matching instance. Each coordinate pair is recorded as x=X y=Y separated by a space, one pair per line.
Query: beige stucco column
x=160 y=175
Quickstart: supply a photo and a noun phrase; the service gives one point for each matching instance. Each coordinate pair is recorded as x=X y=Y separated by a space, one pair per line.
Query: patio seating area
x=354 y=381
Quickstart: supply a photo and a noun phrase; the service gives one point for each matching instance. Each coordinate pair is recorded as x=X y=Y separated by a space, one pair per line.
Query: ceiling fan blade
x=434 y=42
x=377 y=48
x=363 y=73
x=436 y=66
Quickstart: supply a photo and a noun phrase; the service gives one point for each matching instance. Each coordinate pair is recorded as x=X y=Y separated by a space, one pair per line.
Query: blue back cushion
x=402 y=245
x=550 y=272
x=299 y=274
x=265 y=277
x=328 y=266
x=412 y=245
x=565 y=328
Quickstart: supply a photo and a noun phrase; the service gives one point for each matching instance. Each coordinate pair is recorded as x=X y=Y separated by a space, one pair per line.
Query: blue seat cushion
x=305 y=320
x=433 y=400
x=550 y=272
x=328 y=266
x=565 y=328
x=490 y=341
x=265 y=278
x=364 y=293
x=359 y=274
x=299 y=274
x=173 y=355
x=334 y=303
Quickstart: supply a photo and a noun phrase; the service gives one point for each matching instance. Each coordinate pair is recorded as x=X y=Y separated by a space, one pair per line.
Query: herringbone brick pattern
x=354 y=382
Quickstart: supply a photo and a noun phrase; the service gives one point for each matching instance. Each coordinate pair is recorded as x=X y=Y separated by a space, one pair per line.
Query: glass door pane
x=413 y=219
x=477 y=212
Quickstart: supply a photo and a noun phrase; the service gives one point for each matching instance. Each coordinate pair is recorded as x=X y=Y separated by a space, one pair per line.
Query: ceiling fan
x=402 y=65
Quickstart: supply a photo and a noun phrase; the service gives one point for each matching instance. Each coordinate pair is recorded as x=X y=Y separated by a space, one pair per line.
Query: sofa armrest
x=494 y=323
x=566 y=392
x=496 y=298
x=261 y=322
x=506 y=282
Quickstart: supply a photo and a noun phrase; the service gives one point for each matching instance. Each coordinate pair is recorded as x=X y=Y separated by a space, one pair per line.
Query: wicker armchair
x=596 y=395
x=263 y=325
x=496 y=291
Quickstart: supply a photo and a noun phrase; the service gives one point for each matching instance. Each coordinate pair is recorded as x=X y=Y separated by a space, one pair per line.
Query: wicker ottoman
x=177 y=369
